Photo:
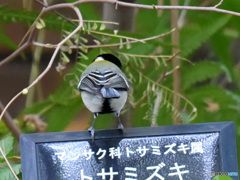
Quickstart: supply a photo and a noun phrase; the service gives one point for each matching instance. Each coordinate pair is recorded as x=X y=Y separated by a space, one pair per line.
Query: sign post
x=197 y=151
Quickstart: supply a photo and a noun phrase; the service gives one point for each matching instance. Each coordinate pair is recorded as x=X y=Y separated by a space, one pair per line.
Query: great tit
x=104 y=88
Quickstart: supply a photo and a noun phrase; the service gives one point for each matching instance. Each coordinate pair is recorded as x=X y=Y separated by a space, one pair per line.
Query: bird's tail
x=109 y=93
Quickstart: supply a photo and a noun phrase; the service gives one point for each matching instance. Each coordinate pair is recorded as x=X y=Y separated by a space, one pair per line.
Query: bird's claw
x=121 y=127
x=91 y=129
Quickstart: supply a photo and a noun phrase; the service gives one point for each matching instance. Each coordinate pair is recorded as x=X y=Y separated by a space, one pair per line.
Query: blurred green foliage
x=210 y=82
x=7 y=146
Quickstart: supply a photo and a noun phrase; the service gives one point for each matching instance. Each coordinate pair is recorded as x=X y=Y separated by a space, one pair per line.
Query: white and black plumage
x=104 y=87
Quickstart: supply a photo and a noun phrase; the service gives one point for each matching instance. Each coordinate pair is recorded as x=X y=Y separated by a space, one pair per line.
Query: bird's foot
x=121 y=127
x=91 y=130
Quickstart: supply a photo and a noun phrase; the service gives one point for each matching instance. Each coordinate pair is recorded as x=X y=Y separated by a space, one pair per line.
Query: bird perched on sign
x=104 y=87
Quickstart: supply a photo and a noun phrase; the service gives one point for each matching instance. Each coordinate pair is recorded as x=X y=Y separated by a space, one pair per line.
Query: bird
x=104 y=88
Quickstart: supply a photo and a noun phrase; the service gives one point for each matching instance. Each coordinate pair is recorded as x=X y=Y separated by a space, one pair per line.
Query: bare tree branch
x=104 y=45
x=7 y=119
x=15 y=54
x=9 y=165
x=176 y=62
x=219 y=4
x=45 y=10
x=156 y=108
x=162 y=7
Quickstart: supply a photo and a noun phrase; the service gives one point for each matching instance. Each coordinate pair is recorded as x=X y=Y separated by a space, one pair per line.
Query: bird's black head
x=109 y=57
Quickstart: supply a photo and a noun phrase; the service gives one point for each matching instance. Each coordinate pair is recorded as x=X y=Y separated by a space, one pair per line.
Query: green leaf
x=89 y=11
x=40 y=24
x=236 y=97
x=194 y=35
x=65 y=58
x=102 y=27
x=6 y=174
x=199 y=72
x=221 y=45
x=59 y=116
x=128 y=45
x=147 y=24
x=217 y=96
x=8 y=15
x=95 y=26
x=121 y=43
x=83 y=56
x=5 y=40
x=214 y=92
x=6 y=145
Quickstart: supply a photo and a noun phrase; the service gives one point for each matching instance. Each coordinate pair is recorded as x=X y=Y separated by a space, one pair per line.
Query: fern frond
x=8 y=15
x=192 y=37
x=167 y=93
x=201 y=71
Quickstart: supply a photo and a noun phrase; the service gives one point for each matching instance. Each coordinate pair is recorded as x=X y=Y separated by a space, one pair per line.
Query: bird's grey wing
x=107 y=83
x=119 y=82
x=88 y=85
x=113 y=84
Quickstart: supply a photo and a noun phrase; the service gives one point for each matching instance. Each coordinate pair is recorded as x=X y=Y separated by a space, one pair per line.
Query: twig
x=15 y=54
x=9 y=165
x=103 y=45
x=45 y=5
x=118 y=36
x=45 y=2
x=24 y=91
x=73 y=6
x=161 y=7
x=96 y=21
x=194 y=110
x=22 y=45
x=219 y=4
x=176 y=62
x=7 y=119
x=156 y=7
x=37 y=52
x=182 y=16
x=160 y=79
x=156 y=108
x=170 y=57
